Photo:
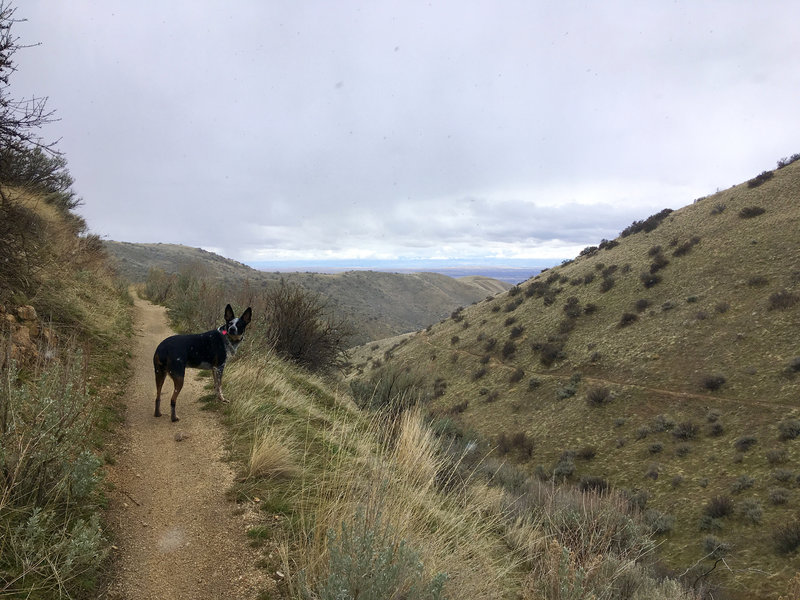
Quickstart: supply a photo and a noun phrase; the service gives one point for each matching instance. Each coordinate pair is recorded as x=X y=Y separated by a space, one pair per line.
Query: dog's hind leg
x=217 y=372
x=178 y=381
x=161 y=375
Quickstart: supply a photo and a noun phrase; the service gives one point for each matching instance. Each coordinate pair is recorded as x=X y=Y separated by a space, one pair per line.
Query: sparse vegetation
x=748 y=212
x=713 y=382
x=598 y=396
x=783 y=300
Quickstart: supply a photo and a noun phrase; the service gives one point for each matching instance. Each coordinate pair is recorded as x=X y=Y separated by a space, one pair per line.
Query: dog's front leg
x=217 y=372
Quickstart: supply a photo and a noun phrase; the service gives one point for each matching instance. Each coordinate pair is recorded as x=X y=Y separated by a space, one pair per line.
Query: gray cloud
x=270 y=130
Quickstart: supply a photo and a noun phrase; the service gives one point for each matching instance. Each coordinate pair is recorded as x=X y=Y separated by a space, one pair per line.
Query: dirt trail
x=176 y=535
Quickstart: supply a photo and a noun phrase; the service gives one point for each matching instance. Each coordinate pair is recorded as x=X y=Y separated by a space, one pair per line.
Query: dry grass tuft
x=271 y=455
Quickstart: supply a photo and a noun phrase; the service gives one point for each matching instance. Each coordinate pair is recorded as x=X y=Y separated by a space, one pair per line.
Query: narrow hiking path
x=176 y=536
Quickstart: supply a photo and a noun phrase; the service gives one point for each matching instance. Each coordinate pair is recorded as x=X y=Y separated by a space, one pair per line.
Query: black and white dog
x=207 y=350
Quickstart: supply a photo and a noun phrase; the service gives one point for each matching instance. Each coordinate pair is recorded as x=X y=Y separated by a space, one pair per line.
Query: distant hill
x=665 y=362
x=378 y=304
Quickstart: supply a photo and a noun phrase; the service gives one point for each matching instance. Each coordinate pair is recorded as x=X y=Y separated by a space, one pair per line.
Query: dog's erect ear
x=229 y=316
x=246 y=315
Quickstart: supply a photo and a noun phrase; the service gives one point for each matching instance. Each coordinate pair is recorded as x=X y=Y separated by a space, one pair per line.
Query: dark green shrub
x=598 y=396
x=593 y=483
x=516 y=331
x=300 y=328
x=655 y=448
x=533 y=384
x=607 y=284
x=794 y=366
x=789 y=429
x=514 y=304
x=510 y=321
x=686 y=247
x=454 y=340
x=479 y=374
x=716 y=429
x=650 y=279
x=485 y=359
x=748 y=212
x=782 y=300
x=550 y=353
x=757 y=281
x=490 y=344
x=787 y=537
x=659 y=262
x=713 y=382
x=662 y=423
x=608 y=244
x=719 y=507
x=715 y=548
x=628 y=319
x=648 y=225
x=784 y=162
x=641 y=305
x=566 y=325
x=591 y=308
x=587 y=453
x=783 y=475
x=777 y=456
x=517 y=375
x=459 y=408
x=509 y=348
x=685 y=431
x=744 y=443
x=760 y=178
x=718 y=208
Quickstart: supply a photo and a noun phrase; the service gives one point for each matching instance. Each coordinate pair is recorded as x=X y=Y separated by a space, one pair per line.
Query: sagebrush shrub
x=744 y=443
x=301 y=329
x=779 y=495
x=750 y=510
x=789 y=429
x=787 y=537
x=748 y=212
x=686 y=430
x=760 y=178
x=783 y=300
x=658 y=522
x=743 y=482
x=628 y=319
x=719 y=507
x=593 y=483
x=598 y=396
x=367 y=561
x=650 y=279
x=516 y=376
x=713 y=382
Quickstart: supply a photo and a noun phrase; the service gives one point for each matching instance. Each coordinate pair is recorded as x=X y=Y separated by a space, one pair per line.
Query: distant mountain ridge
x=378 y=304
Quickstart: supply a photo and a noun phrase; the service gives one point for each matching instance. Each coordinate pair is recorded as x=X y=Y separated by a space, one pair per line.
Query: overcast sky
x=268 y=130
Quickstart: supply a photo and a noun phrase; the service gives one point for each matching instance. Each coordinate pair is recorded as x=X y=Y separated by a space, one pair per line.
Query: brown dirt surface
x=175 y=534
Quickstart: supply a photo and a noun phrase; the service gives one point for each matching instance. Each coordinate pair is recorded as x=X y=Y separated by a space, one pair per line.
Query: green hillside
x=665 y=363
x=378 y=304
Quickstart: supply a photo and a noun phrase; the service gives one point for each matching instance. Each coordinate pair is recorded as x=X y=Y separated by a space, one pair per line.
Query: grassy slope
x=379 y=304
x=85 y=318
x=720 y=323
